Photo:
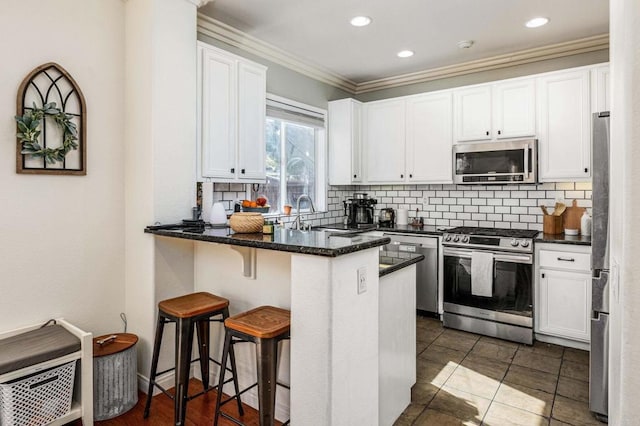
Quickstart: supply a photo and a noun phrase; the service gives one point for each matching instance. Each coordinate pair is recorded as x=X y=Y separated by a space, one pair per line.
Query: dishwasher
x=426 y=271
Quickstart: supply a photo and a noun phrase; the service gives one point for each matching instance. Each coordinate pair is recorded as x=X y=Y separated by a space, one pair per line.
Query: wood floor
x=199 y=411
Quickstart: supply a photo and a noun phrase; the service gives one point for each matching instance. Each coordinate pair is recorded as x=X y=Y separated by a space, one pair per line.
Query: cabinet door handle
x=487 y=133
x=355 y=176
x=566 y=259
x=586 y=170
x=542 y=275
x=410 y=176
x=233 y=170
x=499 y=132
x=242 y=171
x=401 y=176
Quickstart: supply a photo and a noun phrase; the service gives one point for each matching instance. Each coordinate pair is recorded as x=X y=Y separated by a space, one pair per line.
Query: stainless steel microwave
x=496 y=162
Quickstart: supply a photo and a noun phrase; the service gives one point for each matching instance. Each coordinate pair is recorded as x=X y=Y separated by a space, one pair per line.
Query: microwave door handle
x=526 y=161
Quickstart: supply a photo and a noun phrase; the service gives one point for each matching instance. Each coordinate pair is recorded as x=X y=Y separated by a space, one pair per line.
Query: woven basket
x=246 y=223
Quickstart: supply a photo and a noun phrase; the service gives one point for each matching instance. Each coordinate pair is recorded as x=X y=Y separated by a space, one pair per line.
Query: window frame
x=321 y=145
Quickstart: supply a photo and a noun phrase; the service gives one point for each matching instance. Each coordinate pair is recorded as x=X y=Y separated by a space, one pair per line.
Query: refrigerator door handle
x=599 y=364
x=600 y=291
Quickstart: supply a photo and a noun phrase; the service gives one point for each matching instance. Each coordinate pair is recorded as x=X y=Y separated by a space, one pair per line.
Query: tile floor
x=467 y=379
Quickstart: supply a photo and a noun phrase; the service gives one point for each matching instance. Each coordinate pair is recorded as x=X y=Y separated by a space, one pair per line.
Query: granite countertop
x=563 y=239
x=319 y=243
x=406 y=229
x=394 y=260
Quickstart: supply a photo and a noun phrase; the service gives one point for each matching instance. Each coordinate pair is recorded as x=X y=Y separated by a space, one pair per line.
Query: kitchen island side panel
x=334 y=340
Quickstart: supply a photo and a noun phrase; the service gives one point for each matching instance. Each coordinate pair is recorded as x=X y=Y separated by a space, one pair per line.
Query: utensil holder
x=552 y=224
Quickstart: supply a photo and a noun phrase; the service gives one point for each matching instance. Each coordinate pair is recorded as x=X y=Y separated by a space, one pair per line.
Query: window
x=295 y=139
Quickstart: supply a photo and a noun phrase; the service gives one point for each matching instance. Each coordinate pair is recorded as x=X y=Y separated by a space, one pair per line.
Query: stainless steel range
x=488 y=282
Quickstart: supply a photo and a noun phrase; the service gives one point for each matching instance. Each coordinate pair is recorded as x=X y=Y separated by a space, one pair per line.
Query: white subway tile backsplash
x=574 y=194
x=585 y=186
x=501 y=206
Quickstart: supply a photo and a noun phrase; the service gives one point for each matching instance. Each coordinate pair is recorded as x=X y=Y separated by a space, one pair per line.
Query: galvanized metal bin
x=115 y=370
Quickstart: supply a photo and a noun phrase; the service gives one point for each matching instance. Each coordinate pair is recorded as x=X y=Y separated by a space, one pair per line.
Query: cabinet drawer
x=565 y=260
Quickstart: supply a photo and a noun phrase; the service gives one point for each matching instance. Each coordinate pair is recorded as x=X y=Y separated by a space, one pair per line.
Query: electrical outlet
x=362 y=279
x=425 y=202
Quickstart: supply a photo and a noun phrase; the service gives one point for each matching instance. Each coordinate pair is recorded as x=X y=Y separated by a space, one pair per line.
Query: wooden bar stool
x=265 y=326
x=189 y=311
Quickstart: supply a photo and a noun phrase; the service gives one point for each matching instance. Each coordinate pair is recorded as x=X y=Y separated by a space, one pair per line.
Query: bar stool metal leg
x=232 y=357
x=266 y=356
x=184 y=341
x=154 y=363
x=223 y=362
x=202 y=328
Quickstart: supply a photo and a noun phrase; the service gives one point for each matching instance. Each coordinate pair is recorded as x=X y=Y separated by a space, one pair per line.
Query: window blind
x=283 y=111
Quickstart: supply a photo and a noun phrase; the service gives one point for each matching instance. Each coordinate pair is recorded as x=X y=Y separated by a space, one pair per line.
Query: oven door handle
x=500 y=257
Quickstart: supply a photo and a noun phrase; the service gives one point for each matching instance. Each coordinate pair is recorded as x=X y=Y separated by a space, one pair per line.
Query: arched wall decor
x=51 y=123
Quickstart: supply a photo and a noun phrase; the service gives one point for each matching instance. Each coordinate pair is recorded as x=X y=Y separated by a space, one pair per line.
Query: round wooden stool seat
x=194 y=304
x=264 y=322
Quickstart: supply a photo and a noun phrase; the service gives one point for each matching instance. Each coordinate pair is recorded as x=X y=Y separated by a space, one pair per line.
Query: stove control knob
x=447 y=237
x=524 y=243
x=465 y=239
x=456 y=238
x=515 y=242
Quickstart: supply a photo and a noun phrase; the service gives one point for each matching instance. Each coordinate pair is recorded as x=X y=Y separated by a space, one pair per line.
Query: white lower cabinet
x=563 y=292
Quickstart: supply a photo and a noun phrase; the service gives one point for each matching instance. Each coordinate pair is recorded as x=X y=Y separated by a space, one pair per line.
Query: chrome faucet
x=298 y=224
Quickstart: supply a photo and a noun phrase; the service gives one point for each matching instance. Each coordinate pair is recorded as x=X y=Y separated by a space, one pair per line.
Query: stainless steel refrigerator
x=599 y=355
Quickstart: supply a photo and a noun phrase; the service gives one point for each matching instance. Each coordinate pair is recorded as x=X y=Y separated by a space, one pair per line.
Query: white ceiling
x=318 y=31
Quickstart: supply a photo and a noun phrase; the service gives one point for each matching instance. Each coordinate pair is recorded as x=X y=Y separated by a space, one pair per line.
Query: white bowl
x=571 y=231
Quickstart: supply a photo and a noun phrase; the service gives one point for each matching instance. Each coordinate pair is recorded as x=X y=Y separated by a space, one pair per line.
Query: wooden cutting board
x=572 y=215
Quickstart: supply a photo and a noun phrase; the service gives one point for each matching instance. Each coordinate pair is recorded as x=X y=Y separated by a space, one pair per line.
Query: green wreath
x=28 y=132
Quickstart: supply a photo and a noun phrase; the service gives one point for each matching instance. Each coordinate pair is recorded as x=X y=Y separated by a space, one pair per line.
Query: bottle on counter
x=585 y=224
x=267 y=228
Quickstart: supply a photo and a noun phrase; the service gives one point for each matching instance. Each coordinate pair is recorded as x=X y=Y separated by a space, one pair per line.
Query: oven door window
x=512 y=284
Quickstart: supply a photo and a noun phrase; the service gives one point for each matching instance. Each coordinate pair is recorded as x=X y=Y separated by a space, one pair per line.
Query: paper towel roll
x=402 y=217
x=207 y=200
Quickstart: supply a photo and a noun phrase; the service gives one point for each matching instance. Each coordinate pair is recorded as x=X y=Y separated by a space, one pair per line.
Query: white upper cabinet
x=251 y=121
x=564 y=126
x=495 y=111
x=345 y=139
x=385 y=141
x=514 y=109
x=473 y=113
x=600 y=89
x=429 y=138
x=231 y=117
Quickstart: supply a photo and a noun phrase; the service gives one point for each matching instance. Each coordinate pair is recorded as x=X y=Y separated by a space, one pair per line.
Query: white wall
x=61 y=239
x=625 y=200
x=159 y=158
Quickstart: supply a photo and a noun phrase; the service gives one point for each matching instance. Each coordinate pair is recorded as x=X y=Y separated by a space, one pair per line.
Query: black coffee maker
x=359 y=210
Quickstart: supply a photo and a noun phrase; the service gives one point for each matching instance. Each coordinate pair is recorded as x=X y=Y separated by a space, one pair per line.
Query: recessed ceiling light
x=405 y=53
x=536 y=22
x=360 y=21
x=465 y=44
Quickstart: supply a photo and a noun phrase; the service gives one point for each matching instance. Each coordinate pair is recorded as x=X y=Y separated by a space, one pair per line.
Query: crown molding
x=558 y=50
x=225 y=33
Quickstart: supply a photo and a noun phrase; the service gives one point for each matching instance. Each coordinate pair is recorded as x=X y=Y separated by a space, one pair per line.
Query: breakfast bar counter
x=331 y=283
